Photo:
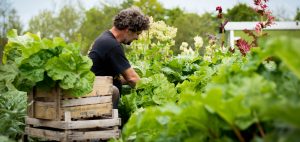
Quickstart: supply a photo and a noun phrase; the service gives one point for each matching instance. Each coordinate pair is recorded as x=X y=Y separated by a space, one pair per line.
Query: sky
x=29 y=8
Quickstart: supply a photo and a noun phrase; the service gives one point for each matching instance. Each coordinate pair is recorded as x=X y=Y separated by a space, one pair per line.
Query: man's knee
x=115 y=97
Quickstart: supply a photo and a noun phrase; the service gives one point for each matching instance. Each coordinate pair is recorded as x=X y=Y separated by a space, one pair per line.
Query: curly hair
x=131 y=18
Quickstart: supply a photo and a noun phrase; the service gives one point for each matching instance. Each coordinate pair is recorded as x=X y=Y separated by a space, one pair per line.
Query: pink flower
x=243 y=46
x=257 y=2
x=270 y=20
x=219 y=9
x=258 y=27
x=264 y=6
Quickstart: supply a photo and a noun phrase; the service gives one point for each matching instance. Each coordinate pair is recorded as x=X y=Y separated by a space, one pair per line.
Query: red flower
x=219 y=8
x=243 y=46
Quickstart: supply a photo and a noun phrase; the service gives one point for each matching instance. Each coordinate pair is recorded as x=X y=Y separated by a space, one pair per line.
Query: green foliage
x=191 y=25
x=9 y=19
x=65 y=24
x=151 y=91
x=297 y=17
x=42 y=59
x=231 y=98
x=153 y=8
x=242 y=12
x=12 y=104
x=96 y=21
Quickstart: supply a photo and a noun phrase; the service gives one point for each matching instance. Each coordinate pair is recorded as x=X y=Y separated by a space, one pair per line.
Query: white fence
x=237 y=26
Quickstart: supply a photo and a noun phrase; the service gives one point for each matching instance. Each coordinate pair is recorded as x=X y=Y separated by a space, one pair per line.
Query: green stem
x=238 y=134
x=261 y=130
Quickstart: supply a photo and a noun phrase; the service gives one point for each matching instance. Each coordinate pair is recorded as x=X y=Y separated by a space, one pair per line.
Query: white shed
x=237 y=26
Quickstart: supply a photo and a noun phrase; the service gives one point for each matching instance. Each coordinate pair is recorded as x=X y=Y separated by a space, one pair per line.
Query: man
x=107 y=52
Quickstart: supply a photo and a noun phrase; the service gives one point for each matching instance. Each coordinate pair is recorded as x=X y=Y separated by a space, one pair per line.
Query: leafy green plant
x=43 y=62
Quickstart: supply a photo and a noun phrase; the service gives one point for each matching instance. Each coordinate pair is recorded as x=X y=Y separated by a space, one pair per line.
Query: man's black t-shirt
x=108 y=58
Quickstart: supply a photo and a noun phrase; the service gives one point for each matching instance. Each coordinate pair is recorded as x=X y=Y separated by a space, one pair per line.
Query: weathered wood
x=107 y=134
x=100 y=80
x=45 y=95
x=61 y=113
x=46 y=134
x=100 y=90
x=115 y=115
x=46 y=123
x=30 y=101
x=87 y=101
x=58 y=104
x=45 y=110
x=80 y=124
x=87 y=111
x=67 y=119
x=102 y=87
x=101 y=123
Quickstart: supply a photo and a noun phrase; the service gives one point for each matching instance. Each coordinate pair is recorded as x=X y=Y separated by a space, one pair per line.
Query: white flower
x=183 y=45
x=198 y=41
x=207 y=58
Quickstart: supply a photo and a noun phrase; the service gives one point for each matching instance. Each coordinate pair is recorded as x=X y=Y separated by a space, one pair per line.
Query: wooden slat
x=100 y=80
x=115 y=115
x=58 y=95
x=87 y=101
x=107 y=134
x=99 y=90
x=45 y=95
x=45 y=110
x=80 y=124
x=46 y=123
x=46 y=134
x=101 y=123
x=30 y=101
x=89 y=110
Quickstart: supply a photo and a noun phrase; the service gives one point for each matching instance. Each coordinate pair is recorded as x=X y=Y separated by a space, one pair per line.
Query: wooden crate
x=77 y=130
x=55 y=115
x=52 y=104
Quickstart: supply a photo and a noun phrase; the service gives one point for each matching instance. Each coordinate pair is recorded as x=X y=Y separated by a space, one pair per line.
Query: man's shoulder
x=106 y=38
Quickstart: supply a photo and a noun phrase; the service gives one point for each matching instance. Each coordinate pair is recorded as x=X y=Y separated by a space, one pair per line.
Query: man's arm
x=130 y=77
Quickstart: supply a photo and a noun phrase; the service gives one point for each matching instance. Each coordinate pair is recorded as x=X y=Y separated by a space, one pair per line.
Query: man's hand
x=130 y=77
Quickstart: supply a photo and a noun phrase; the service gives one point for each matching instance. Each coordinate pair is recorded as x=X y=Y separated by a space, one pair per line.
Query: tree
x=68 y=23
x=44 y=23
x=152 y=8
x=96 y=21
x=297 y=17
x=9 y=19
x=65 y=24
x=172 y=14
x=241 y=12
x=190 y=25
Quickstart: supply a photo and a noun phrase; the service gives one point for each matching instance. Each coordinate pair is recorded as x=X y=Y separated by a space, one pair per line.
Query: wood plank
x=30 y=102
x=115 y=115
x=87 y=101
x=45 y=110
x=107 y=134
x=59 y=112
x=100 y=80
x=80 y=124
x=101 y=123
x=88 y=111
x=46 y=123
x=45 y=95
x=46 y=134
x=67 y=119
x=99 y=90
